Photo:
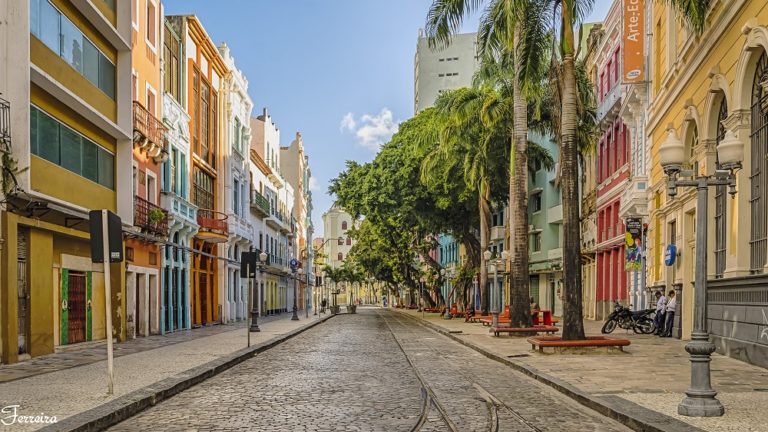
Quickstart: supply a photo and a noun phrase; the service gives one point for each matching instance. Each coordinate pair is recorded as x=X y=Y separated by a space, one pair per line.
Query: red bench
x=542 y=342
x=526 y=330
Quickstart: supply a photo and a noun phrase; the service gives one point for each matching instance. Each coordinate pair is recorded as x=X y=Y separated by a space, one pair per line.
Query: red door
x=76 y=306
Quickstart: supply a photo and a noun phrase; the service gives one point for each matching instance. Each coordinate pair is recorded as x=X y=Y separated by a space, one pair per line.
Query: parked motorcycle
x=639 y=321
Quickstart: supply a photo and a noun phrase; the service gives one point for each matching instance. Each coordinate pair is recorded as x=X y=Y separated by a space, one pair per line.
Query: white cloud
x=371 y=130
x=348 y=123
x=313 y=184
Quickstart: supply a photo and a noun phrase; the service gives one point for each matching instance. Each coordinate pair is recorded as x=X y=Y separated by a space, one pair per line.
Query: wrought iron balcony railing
x=149 y=133
x=212 y=222
x=5 y=125
x=260 y=203
x=149 y=217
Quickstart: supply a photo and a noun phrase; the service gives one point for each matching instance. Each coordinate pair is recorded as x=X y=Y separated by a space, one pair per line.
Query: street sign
x=114 y=234
x=248 y=261
x=294 y=264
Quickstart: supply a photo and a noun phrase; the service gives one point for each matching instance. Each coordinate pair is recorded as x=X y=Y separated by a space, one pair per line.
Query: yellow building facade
x=702 y=87
x=71 y=145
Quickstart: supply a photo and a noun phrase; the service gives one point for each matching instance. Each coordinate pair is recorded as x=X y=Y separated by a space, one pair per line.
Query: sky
x=338 y=71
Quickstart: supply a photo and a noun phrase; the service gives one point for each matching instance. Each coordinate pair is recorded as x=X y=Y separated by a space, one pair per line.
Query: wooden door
x=76 y=307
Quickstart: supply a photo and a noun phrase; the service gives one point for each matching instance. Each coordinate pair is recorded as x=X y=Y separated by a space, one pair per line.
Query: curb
x=128 y=405
x=628 y=413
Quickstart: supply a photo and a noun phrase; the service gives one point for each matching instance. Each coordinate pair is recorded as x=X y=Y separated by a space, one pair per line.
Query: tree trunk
x=519 y=309
x=573 y=322
x=485 y=219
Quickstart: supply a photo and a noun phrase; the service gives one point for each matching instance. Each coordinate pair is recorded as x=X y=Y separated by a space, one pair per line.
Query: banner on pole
x=633 y=38
x=634 y=244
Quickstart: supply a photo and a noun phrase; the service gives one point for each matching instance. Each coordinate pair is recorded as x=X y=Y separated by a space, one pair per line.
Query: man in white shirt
x=670 y=318
x=661 y=310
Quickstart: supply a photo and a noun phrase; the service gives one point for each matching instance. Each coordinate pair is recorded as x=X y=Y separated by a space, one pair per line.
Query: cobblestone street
x=374 y=371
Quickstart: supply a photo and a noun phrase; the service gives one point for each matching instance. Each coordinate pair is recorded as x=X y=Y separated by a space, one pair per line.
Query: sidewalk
x=653 y=374
x=69 y=383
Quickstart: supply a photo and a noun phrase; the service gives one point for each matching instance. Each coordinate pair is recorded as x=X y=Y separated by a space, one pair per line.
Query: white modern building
x=237 y=138
x=437 y=70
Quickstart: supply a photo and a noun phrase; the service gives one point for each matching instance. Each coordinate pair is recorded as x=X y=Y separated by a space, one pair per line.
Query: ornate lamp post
x=700 y=400
x=495 y=292
x=256 y=306
x=300 y=271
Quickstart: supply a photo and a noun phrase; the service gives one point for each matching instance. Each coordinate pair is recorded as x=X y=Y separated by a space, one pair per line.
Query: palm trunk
x=573 y=321
x=485 y=219
x=519 y=309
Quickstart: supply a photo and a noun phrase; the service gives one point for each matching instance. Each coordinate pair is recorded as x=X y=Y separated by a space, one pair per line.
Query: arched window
x=341 y=256
x=720 y=200
x=341 y=241
x=349 y=241
x=344 y=225
x=758 y=175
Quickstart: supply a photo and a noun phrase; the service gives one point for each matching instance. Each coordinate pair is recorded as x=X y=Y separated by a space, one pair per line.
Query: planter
x=335 y=309
x=351 y=309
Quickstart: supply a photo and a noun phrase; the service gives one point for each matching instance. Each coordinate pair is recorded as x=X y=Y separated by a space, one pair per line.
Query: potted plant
x=155 y=216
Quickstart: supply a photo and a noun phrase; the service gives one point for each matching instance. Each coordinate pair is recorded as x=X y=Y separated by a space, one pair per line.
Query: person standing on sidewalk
x=661 y=310
x=670 y=312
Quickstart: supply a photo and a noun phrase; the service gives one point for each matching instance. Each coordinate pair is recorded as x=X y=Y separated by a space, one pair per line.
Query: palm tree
x=513 y=35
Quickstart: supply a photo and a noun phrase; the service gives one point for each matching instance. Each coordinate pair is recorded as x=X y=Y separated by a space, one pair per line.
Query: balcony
x=555 y=214
x=149 y=217
x=277 y=221
x=498 y=233
x=608 y=109
x=5 y=126
x=149 y=133
x=213 y=226
x=259 y=204
x=292 y=227
x=179 y=209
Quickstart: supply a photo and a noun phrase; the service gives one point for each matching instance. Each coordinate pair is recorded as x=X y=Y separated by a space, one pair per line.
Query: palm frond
x=444 y=20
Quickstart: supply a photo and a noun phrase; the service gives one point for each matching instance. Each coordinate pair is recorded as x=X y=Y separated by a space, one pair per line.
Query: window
x=151 y=103
x=349 y=241
x=536 y=242
x=536 y=202
x=63 y=146
x=151 y=188
x=202 y=195
x=237 y=136
x=340 y=256
x=59 y=34
x=171 y=54
x=236 y=197
x=151 y=24
x=344 y=225
x=204 y=115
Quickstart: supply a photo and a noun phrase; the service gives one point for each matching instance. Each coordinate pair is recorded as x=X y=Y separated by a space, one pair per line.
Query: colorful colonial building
x=704 y=86
x=68 y=81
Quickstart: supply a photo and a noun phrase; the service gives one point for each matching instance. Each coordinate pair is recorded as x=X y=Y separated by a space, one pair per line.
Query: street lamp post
x=294 y=270
x=261 y=265
x=700 y=398
x=448 y=315
x=495 y=293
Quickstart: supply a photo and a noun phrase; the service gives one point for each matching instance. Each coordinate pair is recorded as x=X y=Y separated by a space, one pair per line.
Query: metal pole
x=249 y=302
x=295 y=316
x=495 y=294
x=108 y=301
x=700 y=400
x=255 y=302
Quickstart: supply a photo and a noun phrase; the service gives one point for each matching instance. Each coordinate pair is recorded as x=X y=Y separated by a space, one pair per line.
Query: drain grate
x=761 y=389
x=454 y=331
x=518 y=355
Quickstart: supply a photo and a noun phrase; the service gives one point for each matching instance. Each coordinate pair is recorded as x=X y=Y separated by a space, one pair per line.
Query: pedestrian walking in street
x=661 y=310
x=670 y=312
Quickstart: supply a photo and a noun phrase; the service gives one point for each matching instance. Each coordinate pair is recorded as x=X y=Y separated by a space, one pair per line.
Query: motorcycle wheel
x=609 y=326
x=645 y=326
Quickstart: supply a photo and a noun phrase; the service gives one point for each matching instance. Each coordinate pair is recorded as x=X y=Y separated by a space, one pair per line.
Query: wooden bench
x=432 y=310
x=527 y=330
x=542 y=342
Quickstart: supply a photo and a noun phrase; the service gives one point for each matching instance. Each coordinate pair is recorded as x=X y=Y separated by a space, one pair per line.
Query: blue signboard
x=670 y=255
x=294 y=264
